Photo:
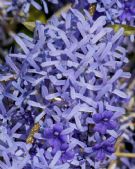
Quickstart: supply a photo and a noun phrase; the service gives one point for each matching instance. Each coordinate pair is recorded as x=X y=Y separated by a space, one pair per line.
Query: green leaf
x=128 y=30
x=29 y=25
x=34 y=15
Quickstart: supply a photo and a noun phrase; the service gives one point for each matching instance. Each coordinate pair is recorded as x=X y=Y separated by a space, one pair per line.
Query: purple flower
x=58 y=141
x=128 y=10
x=54 y=136
x=120 y=11
x=81 y=4
x=67 y=154
x=104 y=148
x=103 y=122
x=72 y=64
x=23 y=6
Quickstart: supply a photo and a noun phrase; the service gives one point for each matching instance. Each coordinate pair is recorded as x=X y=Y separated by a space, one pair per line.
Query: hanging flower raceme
x=66 y=81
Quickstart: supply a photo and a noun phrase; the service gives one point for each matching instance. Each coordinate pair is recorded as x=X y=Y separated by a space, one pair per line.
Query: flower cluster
x=13 y=12
x=65 y=82
x=116 y=11
x=23 y=6
x=128 y=11
x=121 y=11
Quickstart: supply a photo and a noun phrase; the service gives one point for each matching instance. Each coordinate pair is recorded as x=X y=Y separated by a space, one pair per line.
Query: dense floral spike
x=68 y=73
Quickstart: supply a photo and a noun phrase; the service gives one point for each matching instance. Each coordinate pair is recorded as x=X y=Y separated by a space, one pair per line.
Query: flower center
x=56 y=133
x=105 y=119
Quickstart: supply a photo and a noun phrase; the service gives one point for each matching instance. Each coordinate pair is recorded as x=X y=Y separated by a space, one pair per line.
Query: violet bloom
x=58 y=141
x=103 y=122
x=73 y=58
x=81 y=4
x=121 y=11
x=128 y=10
x=54 y=136
x=67 y=154
x=104 y=148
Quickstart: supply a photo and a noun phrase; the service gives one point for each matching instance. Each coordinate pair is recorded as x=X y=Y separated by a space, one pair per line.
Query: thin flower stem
x=131 y=115
x=127 y=155
x=112 y=165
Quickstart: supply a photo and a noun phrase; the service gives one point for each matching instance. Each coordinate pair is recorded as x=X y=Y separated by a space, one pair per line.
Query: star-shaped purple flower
x=104 y=148
x=128 y=8
x=58 y=141
x=104 y=121
x=54 y=136
x=67 y=154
